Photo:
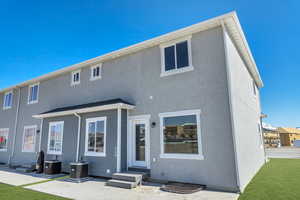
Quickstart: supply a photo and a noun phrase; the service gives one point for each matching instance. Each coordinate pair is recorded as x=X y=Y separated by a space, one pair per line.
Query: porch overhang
x=86 y=108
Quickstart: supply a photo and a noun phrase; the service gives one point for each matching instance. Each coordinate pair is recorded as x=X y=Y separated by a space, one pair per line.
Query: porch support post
x=119 y=140
x=78 y=136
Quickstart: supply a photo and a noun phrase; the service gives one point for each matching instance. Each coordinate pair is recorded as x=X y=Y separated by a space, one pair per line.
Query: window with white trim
x=95 y=138
x=96 y=71
x=75 y=78
x=176 y=57
x=29 y=139
x=181 y=135
x=8 y=100
x=33 y=93
x=55 y=138
x=3 y=139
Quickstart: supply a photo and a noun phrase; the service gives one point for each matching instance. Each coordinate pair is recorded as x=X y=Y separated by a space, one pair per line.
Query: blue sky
x=42 y=36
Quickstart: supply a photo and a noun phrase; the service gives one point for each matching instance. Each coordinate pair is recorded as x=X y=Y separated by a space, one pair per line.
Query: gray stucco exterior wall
x=246 y=117
x=136 y=79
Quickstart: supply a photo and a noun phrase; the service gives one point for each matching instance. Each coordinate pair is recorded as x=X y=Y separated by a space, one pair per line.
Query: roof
x=288 y=130
x=85 y=108
x=230 y=21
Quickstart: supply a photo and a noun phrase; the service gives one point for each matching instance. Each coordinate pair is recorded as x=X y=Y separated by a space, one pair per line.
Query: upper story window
x=8 y=100
x=95 y=138
x=3 y=139
x=55 y=138
x=75 y=79
x=29 y=139
x=33 y=93
x=96 y=71
x=180 y=135
x=176 y=57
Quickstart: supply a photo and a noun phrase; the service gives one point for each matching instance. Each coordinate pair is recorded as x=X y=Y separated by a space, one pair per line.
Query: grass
x=9 y=192
x=279 y=179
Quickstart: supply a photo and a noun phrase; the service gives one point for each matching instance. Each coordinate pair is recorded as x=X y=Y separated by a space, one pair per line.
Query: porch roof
x=86 y=108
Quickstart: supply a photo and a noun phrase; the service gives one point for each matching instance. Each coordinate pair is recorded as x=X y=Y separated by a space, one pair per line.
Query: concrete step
x=24 y=170
x=139 y=169
x=121 y=184
x=129 y=176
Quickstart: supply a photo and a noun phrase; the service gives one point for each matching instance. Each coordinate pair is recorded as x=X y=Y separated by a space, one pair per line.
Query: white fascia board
x=85 y=110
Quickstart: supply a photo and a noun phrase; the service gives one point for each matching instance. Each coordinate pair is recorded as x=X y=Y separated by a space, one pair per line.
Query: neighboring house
x=271 y=136
x=184 y=105
x=288 y=136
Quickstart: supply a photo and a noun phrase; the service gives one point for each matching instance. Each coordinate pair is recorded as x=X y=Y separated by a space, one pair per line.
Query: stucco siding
x=246 y=116
x=136 y=79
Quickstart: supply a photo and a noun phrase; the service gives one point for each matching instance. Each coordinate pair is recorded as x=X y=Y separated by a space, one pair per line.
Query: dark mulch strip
x=182 y=188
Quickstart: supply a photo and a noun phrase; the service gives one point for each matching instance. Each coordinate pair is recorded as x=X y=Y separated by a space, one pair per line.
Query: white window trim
x=72 y=77
x=62 y=136
x=180 y=70
x=4 y=98
x=34 y=139
x=86 y=152
x=92 y=78
x=37 y=95
x=198 y=156
x=5 y=129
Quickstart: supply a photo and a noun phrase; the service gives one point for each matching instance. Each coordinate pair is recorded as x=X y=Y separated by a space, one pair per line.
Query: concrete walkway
x=283 y=152
x=11 y=177
x=95 y=189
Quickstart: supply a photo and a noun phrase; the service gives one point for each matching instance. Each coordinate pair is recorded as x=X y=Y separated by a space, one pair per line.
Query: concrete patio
x=95 y=189
x=11 y=177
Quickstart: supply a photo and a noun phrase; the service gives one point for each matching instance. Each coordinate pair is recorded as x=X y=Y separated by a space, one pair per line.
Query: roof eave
x=85 y=110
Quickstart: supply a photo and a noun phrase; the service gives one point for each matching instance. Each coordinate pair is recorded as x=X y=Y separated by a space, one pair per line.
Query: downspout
x=119 y=141
x=78 y=136
x=230 y=96
x=41 y=133
x=15 y=128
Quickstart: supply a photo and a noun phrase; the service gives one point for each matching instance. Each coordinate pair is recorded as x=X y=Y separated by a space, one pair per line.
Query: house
x=288 y=135
x=184 y=105
x=271 y=136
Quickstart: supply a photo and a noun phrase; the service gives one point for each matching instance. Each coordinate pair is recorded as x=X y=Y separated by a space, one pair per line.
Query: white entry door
x=138 y=143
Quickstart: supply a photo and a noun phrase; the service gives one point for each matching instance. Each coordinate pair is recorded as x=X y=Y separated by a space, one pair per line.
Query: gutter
x=78 y=136
x=15 y=128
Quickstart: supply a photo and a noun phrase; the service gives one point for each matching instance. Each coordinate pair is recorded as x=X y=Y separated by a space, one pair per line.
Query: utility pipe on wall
x=15 y=128
x=78 y=136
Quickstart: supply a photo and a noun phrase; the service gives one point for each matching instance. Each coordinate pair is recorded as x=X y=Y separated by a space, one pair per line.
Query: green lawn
x=279 y=179
x=8 y=192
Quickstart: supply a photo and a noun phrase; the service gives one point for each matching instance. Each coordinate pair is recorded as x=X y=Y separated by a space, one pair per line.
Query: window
x=55 y=138
x=180 y=135
x=75 y=78
x=95 y=139
x=8 y=100
x=3 y=139
x=254 y=88
x=176 y=57
x=33 y=93
x=96 y=72
x=29 y=139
